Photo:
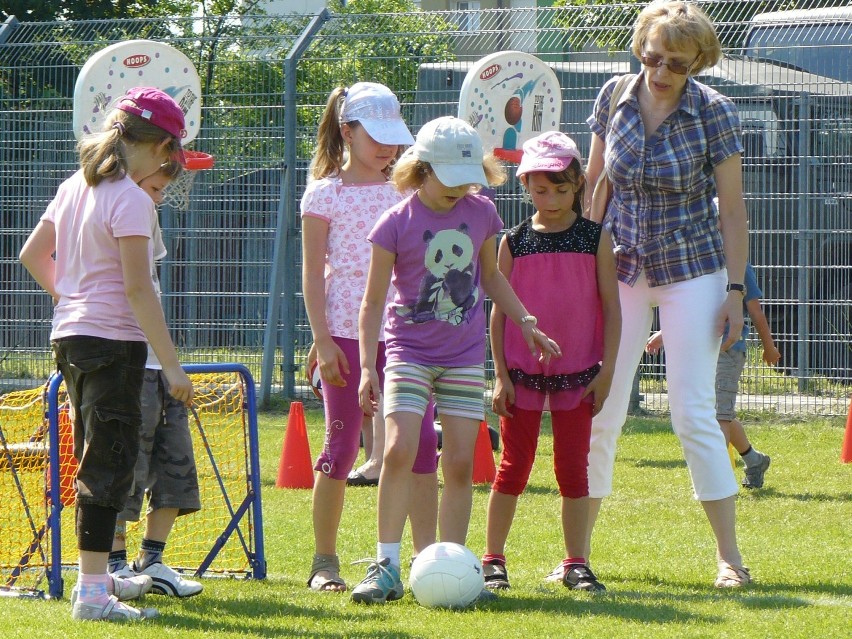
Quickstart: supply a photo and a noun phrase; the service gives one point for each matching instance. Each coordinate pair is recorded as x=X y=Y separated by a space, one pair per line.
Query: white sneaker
x=124 y=588
x=114 y=610
x=170 y=582
x=125 y=572
x=132 y=587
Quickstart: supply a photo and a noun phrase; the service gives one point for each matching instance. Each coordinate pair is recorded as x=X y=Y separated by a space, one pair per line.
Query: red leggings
x=571 y=433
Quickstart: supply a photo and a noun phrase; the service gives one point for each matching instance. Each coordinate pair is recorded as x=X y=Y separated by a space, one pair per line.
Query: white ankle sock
x=388 y=550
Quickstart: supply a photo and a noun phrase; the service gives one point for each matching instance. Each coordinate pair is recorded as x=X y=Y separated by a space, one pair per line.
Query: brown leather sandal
x=732 y=576
x=330 y=565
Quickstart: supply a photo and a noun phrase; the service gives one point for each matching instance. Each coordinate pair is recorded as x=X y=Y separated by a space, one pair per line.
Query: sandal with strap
x=496 y=577
x=732 y=576
x=329 y=564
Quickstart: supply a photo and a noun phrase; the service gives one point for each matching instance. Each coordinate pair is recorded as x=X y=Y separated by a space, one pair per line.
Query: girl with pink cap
x=92 y=252
x=562 y=268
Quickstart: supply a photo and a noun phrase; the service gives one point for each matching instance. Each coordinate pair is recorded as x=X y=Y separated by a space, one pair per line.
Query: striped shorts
x=458 y=391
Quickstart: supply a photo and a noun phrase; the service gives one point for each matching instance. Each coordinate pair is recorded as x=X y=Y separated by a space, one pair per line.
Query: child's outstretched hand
x=536 y=340
x=369 y=391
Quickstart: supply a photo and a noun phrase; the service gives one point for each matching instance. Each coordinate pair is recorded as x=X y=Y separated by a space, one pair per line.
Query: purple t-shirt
x=437 y=316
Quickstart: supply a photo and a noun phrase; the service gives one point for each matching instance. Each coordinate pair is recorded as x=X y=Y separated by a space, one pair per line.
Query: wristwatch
x=736 y=287
x=532 y=319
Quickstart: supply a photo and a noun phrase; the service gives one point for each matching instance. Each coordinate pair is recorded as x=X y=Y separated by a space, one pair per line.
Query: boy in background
x=165 y=468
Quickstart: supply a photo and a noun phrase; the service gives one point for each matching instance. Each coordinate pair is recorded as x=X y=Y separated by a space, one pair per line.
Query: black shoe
x=357 y=479
x=495 y=438
x=580 y=577
x=496 y=577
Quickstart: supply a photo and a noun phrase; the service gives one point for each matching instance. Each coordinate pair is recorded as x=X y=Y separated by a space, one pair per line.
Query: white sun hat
x=377 y=109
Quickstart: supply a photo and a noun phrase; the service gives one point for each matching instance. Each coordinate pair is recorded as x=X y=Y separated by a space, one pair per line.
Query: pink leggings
x=571 y=433
x=343 y=418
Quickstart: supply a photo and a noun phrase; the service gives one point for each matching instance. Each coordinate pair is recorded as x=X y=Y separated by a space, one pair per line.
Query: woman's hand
x=732 y=316
x=180 y=386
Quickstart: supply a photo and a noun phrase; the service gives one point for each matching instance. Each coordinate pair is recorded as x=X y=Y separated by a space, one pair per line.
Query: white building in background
x=281 y=7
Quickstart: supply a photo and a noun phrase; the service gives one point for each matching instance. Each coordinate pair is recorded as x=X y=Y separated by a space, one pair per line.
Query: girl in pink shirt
x=563 y=270
x=360 y=137
x=99 y=227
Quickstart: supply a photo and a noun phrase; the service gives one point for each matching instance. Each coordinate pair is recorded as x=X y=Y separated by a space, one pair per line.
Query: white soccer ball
x=446 y=575
x=316 y=380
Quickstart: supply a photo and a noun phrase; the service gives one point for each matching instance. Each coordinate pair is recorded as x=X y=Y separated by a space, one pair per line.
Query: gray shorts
x=165 y=468
x=729 y=369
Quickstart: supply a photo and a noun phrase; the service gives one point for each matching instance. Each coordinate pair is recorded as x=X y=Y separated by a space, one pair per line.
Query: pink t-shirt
x=89 y=279
x=351 y=211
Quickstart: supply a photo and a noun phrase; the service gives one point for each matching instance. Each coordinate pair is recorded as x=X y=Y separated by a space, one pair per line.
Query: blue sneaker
x=382 y=583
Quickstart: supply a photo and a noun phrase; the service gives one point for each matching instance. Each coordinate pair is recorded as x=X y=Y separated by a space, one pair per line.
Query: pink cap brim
x=544 y=165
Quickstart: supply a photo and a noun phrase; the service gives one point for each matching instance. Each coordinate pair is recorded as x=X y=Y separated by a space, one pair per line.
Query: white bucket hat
x=377 y=109
x=453 y=149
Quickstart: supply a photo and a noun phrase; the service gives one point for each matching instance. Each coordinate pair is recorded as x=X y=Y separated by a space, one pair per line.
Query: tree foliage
x=46 y=11
x=608 y=25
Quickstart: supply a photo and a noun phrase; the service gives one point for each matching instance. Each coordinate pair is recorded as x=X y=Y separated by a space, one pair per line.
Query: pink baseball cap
x=550 y=152
x=159 y=109
x=377 y=109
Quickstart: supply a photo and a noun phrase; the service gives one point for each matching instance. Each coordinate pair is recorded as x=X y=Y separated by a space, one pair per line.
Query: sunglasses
x=655 y=62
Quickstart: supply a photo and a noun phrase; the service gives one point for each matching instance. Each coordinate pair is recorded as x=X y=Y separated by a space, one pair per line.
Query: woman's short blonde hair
x=409 y=173
x=680 y=25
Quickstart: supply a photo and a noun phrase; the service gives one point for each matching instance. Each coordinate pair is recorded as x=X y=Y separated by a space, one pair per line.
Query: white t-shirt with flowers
x=351 y=211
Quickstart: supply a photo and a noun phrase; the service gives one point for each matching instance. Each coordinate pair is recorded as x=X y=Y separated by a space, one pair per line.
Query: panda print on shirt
x=447 y=291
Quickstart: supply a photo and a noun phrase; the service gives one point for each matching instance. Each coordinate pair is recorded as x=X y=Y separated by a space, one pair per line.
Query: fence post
x=282 y=287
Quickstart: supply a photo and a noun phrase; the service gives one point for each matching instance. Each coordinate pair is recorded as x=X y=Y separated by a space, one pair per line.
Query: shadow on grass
x=758 y=594
x=771 y=493
x=269 y=614
x=623 y=605
x=665 y=464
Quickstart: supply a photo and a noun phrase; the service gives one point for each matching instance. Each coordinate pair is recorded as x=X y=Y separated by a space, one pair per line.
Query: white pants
x=688 y=312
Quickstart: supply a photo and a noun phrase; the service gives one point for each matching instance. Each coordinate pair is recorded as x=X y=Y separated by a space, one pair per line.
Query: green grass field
x=653 y=550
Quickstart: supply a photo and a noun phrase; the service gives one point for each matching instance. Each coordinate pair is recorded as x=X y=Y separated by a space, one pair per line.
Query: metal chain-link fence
x=231 y=280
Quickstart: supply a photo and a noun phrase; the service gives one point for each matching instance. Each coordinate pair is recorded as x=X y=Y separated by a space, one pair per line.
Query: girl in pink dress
x=562 y=268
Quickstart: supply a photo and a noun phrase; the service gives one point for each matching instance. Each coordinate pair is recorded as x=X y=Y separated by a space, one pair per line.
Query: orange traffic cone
x=294 y=470
x=846 y=449
x=484 y=470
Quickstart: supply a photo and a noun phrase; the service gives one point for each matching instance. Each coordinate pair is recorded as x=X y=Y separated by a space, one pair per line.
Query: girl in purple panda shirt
x=439 y=249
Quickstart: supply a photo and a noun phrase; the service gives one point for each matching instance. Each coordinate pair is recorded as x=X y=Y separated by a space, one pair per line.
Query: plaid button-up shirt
x=661 y=217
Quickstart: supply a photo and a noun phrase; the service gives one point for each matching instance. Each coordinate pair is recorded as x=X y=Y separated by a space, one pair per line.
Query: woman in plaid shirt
x=672 y=146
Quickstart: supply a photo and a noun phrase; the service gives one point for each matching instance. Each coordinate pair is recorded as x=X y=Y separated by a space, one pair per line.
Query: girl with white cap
x=439 y=246
x=360 y=136
x=562 y=267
